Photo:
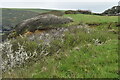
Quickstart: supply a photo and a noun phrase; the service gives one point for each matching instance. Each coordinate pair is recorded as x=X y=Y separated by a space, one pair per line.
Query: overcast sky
x=93 y=5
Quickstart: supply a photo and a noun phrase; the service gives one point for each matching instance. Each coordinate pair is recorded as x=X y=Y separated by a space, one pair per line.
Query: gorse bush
x=15 y=42
x=11 y=58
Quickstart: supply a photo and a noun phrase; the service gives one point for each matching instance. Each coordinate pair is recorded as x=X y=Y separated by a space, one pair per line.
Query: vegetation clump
x=78 y=12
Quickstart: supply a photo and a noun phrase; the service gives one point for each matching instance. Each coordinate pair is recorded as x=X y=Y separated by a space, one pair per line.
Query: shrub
x=78 y=12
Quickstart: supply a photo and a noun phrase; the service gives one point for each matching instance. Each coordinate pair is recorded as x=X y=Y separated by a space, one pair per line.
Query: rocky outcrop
x=40 y=22
x=114 y=11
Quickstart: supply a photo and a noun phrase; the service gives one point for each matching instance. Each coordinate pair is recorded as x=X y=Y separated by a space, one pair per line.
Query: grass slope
x=80 y=58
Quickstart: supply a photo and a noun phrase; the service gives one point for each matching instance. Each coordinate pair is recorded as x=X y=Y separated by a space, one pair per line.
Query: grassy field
x=94 y=21
x=92 y=18
x=80 y=56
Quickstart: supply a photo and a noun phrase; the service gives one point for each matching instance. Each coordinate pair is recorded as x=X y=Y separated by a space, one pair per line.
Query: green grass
x=92 y=18
x=88 y=62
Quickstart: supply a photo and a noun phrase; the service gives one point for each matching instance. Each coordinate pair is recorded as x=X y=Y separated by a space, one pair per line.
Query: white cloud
x=59 y=0
x=93 y=6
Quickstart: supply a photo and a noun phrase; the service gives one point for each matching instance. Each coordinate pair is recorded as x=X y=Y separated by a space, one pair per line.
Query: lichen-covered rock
x=39 y=21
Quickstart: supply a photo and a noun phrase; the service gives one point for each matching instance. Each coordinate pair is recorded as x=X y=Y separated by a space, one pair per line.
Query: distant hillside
x=33 y=10
x=114 y=11
x=11 y=17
